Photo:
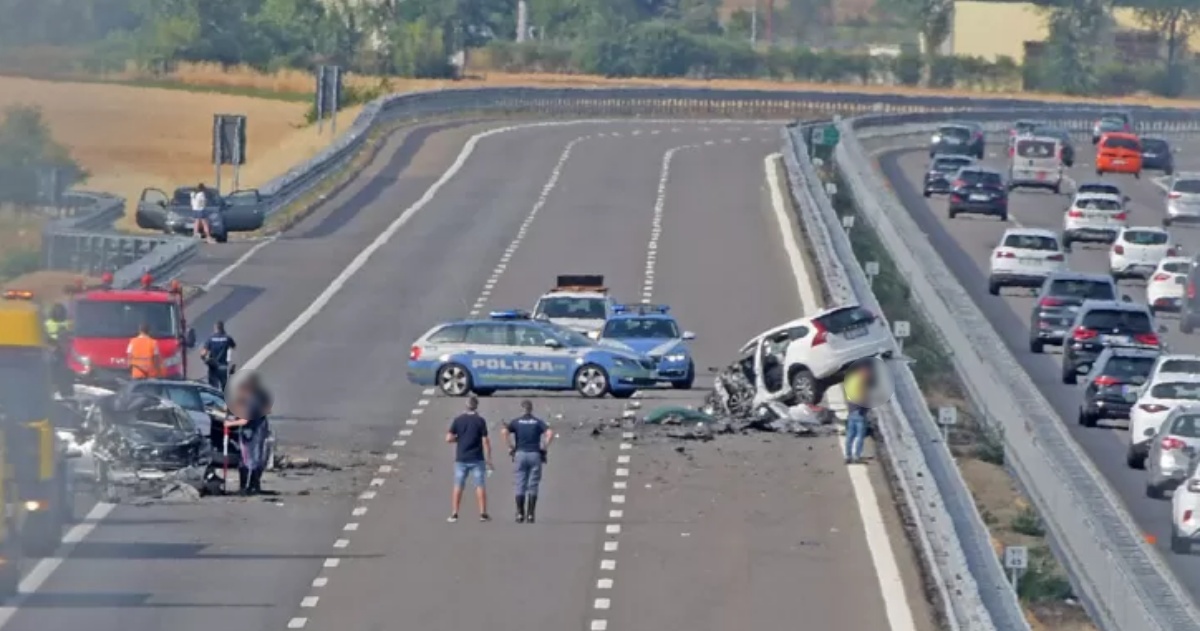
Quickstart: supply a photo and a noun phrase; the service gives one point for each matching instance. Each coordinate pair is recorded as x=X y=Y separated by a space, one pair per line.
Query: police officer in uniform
x=528 y=437
x=58 y=330
x=857 y=386
x=217 y=354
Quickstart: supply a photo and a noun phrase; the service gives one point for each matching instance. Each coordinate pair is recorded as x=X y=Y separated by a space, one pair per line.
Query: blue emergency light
x=641 y=309
x=510 y=314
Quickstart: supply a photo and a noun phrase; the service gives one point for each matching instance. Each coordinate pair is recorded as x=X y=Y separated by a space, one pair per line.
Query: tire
x=454 y=380
x=591 y=381
x=1004 y=216
x=1085 y=419
x=484 y=392
x=952 y=212
x=1180 y=545
x=1154 y=492
x=806 y=388
x=1068 y=375
x=1166 y=222
x=993 y=288
x=1169 y=171
x=1036 y=346
x=1058 y=188
x=222 y=238
x=1137 y=175
x=621 y=394
x=1066 y=244
x=690 y=380
x=1099 y=173
x=1134 y=460
x=927 y=193
x=1185 y=325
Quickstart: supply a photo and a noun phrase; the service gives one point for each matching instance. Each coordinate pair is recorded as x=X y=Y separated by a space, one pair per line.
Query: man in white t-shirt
x=199 y=206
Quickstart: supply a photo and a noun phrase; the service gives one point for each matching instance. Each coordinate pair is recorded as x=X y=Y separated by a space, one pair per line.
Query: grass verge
x=1044 y=589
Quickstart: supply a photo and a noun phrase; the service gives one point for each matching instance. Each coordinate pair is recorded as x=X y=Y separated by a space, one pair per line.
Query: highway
x=632 y=534
x=965 y=246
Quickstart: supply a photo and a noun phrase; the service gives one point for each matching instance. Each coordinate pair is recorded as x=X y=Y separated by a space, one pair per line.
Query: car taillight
x=1153 y=408
x=1160 y=277
x=1174 y=195
x=1170 y=442
x=959 y=183
x=1173 y=251
x=822 y=335
x=1187 y=514
x=1055 y=257
x=1118 y=249
x=1005 y=255
x=1150 y=339
x=1081 y=333
x=1050 y=302
x=1119 y=216
x=414 y=353
x=1075 y=214
x=1105 y=380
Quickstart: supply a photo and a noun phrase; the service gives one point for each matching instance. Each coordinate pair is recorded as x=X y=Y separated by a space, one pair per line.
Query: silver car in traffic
x=1172 y=451
x=1183 y=199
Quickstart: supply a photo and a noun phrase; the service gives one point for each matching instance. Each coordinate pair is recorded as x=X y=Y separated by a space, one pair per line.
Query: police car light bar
x=579 y=282
x=641 y=308
x=510 y=314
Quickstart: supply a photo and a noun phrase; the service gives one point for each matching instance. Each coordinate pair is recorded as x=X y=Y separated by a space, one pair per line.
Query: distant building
x=1019 y=30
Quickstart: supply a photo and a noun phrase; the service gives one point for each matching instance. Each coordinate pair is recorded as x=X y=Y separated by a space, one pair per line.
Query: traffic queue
x=1112 y=344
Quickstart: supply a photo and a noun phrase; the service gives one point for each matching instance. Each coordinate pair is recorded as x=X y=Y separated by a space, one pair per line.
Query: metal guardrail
x=68 y=247
x=1122 y=580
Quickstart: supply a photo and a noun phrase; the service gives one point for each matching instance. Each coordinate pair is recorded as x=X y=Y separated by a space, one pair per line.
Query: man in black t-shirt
x=528 y=437
x=473 y=455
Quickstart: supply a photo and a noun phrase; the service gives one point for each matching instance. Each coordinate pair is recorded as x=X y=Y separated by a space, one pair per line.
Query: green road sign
x=828 y=135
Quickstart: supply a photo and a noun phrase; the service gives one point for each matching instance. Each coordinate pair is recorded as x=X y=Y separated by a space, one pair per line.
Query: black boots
x=243 y=480
x=520 y=509
x=249 y=482
x=530 y=508
x=256 y=482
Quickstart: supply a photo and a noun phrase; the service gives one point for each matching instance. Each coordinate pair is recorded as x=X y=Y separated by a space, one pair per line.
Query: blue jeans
x=527 y=472
x=253 y=444
x=478 y=471
x=856 y=432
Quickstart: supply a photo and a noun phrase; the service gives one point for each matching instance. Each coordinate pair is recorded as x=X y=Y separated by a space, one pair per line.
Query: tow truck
x=579 y=302
x=105 y=319
x=35 y=481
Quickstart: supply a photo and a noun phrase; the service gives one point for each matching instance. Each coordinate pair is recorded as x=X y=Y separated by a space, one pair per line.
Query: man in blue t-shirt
x=528 y=437
x=217 y=354
x=472 y=455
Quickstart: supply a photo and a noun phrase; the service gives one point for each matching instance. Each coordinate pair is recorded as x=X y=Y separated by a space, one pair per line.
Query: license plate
x=1115 y=339
x=1029 y=261
x=851 y=334
x=1118 y=162
x=979 y=198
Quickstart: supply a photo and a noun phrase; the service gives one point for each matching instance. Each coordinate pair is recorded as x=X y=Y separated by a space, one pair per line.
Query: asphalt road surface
x=632 y=533
x=965 y=245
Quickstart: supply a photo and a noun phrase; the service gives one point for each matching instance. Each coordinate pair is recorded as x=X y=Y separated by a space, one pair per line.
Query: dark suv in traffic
x=1112 y=386
x=960 y=138
x=940 y=175
x=1059 y=299
x=1101 y=324
x=979 y=190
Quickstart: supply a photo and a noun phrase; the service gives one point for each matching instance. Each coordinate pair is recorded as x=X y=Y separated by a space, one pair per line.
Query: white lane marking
x=622 y=459
x=618 y=499
x=332 y=562
x=320 y=581
x=610 y=546
x=352 y=526
x=385 y=468
x=604 y=583
x=599 y=625
x=891 y=584
x=428 y=392
x=391 y=456
x=608 y=564
x=310 y=601
x=406 y=432
x=602 y=603
x=538 y=205
x=620 y=485
x=411 y=421
x=616 y=514
x=361 y=510
x=367 y=495
x=341 y=543
x=297 y=623
x=613 y=529
x=376 y=481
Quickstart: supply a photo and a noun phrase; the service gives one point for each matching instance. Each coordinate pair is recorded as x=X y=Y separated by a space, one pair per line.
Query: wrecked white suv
x=799 y=360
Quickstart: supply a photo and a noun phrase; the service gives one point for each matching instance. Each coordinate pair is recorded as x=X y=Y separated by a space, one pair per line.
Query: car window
x=1180 y=365
x=1128 y=367
x=1176 y=390
x=186 y=398
x=1154 y=144
x=1053 y=132
x=1175 y=267
x=584 y=308
x=633 y=328
x=491 y=334
x=961 y=133
x=1186 y=425
x=211 y=399
x=1121 y=143
x=1145 y=237
x=531 y=335
x=1106 y=189
x=1031 y=242
x=1131 y=322
x=567 y=336
x=450 y=334
x=949 y=166
x=974 y=177
x=846 y=318
x=1035 y=149
x=1186 y=186
x=1083 y=289
x=1098 y=203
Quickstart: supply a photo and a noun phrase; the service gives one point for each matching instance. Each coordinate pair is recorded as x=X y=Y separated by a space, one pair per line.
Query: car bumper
x=1167 y=479
x=937 y=186
x=1108 y=408
x=1049 y=183
x=1100 y=235
x=1172 y=304
x=1134 y=270
x=1183 y=213
x=983 y=208
x=1051 y=329
x=422 y=373
x=1019 y=279
x=673 y=373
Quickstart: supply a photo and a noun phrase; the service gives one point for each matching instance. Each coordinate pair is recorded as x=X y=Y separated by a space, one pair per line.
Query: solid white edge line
x=883 y=557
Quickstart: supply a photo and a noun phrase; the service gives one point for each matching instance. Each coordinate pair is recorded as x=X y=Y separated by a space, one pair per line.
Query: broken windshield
x=113 y=319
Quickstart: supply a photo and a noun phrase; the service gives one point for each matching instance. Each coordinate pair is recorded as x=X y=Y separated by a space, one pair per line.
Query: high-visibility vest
x=54 y=328
x=143 y=358
x=855 y=387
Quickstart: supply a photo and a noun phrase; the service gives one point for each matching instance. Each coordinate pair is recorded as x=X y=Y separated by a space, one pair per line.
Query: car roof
x=1074 y=275
x=1032 y=232
x=1175 y=259
x=1097 y=195
x=1036 y=136
x=1177 y=356
x=954 y=157
x=1159 y=229
x=626 y=315
x=583 y=293
x=1131 y=352
x=1155 y=139
x=1099 y=184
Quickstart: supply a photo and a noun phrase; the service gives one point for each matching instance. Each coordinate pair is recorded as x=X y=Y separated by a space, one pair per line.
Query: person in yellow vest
x=857 y=387
x=145 y=362
x=58 y=331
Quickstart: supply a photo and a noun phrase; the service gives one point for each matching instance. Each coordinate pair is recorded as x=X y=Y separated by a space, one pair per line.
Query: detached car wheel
x=454 y=380
x=591 y=381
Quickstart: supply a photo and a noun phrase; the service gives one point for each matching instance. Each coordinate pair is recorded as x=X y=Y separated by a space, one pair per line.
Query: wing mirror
x=189 y=338
x=688 y=335
x=552 y=343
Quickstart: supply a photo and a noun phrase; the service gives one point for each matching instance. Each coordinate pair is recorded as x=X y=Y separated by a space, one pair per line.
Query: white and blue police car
x=512 y=350
x=650 y=330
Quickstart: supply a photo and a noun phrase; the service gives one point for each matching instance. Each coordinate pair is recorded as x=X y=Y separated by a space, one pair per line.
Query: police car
x=578 y=302
x=511 y=350
x=651 y=331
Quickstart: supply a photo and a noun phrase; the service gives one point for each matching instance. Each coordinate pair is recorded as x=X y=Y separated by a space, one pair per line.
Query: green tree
x=1176 y=20
x=27 y=149
x=740 y=25
x=933 y=21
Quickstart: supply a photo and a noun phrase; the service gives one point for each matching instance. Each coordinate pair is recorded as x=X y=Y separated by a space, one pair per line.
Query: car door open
x=244 y=211
x=152 y=209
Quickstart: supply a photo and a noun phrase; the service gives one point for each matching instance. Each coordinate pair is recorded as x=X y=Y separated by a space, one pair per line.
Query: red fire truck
x=105 y=319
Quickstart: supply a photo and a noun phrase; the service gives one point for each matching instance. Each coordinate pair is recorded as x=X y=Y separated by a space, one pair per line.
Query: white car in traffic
x=1093 y=217
x=1138 y=250
x=1167 y=392
x=1172 y=450
x=1164 y=290
x=799 y=360
x=1183 y=199
x=1024 y=258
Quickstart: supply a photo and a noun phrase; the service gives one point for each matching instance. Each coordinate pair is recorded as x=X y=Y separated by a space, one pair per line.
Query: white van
x=1036 y=162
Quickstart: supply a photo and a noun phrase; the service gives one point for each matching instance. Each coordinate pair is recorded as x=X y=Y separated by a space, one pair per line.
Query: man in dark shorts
x=473 y=455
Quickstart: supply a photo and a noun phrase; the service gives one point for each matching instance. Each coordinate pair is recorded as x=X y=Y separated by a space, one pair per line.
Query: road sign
x=826 y=136
x=847 y=221
x=947 y=415
x=901 y=329
x=830 y=189
x=1016 y=557
x=872 y=268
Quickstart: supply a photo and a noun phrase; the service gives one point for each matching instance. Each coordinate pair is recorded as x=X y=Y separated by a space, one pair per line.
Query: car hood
x=583 y=325
x=622 y=352
x=653 y=347
x=110 y=352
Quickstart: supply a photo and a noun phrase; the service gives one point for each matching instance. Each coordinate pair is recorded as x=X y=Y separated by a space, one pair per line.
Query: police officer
x=217 y=354
x=857 y=386
x=250 y=405
x=528 y=437
x=58 y=330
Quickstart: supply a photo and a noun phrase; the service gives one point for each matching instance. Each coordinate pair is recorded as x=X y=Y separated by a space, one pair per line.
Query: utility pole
x=770 y=19
x=754 y=25
x=522 y=20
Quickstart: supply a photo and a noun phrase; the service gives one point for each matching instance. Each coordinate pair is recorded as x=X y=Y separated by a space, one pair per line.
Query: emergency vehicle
x=578 y=302
x=35 y=490
x=105 y=319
